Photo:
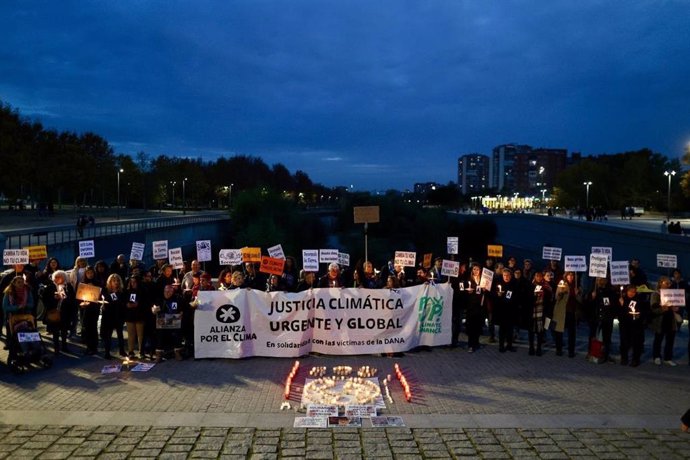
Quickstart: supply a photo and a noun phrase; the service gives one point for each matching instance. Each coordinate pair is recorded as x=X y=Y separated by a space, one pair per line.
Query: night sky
x=375 y=94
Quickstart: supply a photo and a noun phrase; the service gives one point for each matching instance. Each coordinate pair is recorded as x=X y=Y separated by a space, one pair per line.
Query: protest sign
x=620 y=273
x=272 y=265
x=603 y=250
x=487 y=279
x=366 y=214
x=276 y=252
x=598 y=265
x=175 y=258
x=203 y=251
x=327 y=256
x=137 y=252
x=251 y=254
x=15 y=256
x=427 y=260
x=549 y=253
x=37 y=253
x=160 y=250
x=667 y=261
x=450 y=268
x=405 y=258
x=343 y=259
x=575 y=263
x=494 y=250
x=87 y=249
x=452 y=244
x=672 y=297
x=88 y=292
x=310 y=260
x=230 y=257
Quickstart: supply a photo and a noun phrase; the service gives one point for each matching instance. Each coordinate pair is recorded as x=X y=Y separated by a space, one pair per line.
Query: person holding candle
x=91 y=309
x=568 y=300
x=475 y=308
x=663 y=323
x=631 y=319
x=537 y=309
x=602 y=311
x=332 y=278
x=59 y=296
x=505 y=310
x=136 y=301
x=113 y=317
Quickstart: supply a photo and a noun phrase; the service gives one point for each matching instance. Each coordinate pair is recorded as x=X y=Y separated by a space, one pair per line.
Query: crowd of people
x=521 y=299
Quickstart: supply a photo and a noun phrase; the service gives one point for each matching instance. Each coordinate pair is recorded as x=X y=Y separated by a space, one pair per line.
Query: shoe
x=142 y=356
x=108 y=356
x=470 y=350
x=501 y=350
x=657 y=361
x=559 y=353
x=624 y=362
x=531 y=352
x=571 y=355
x=512 y=349
x=123 y=353
x=178 y=354
x=538 y=352
x=131 y=354
x=634 y=363
x=492 y=339
x=670 y=363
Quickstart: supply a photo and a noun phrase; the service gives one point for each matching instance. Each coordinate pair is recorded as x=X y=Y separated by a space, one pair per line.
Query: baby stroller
x=26 y=346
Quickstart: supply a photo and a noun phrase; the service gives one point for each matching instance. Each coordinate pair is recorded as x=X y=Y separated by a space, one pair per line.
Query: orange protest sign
x=272 y=265
x=494 y=250
x=251 y=254
x=37 y=252
x=427 y=260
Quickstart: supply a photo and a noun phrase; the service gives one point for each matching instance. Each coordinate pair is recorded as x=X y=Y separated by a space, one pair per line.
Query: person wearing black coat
x=602 y=311
x=113 y=317
x=475 y=308
x=169 y=334
x=505 y=310
x=59 y=295
x=91 y=312
x=632 y=315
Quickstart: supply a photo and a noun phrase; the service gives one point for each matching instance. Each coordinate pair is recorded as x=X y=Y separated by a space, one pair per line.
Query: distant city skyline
x=377 y=95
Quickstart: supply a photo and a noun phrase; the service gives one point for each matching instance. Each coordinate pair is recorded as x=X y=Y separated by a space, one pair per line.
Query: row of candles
x=403 y=383
x=288 y=380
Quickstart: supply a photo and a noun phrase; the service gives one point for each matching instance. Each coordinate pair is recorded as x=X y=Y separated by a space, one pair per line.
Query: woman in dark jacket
x=113 y=317
x=91 y=312
x=60 y=306
x=135 y=315
x=474 y=319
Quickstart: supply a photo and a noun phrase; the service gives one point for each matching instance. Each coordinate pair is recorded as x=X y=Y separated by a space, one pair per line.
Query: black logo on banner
x=228 y=314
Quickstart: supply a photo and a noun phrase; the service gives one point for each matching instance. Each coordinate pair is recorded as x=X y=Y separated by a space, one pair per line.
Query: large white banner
x=247 y=322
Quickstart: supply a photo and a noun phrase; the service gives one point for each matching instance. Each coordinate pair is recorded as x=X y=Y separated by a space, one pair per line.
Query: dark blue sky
x=378 y=94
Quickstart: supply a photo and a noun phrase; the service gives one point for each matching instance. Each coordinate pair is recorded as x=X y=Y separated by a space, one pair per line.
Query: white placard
x=360 y=410
x=487 y=279
x=343 y=259
x=15 y=256
x=326 y=256
x=452 y=244
x=230 y=256
x=603 y=250
x=598 y=265
x=175 y=258
x=667 y=261
x=322 y=410
x=137 y=252
x=276 y=252
x=549 y=253
x=672 y=297
x=87 y=249
x=310 y=422
x=24 y=337
x=405 y=258
x=203 y=251
x=160 y=250
x=450 y=268
x=620 y=273
x=310 y=260
x=575 y=263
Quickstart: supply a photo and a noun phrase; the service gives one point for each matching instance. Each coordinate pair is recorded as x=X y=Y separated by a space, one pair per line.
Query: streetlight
x=669 y=174
x=173 y=190
x=587 y=184
x=229 y=189
x=184 y=196
x=118 y=191
x=543 y=197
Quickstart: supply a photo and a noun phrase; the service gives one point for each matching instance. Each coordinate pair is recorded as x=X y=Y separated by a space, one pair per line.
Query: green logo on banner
x=430 y=313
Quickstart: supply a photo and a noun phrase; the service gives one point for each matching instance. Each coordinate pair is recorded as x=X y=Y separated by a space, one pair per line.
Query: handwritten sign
x=251 y=254
x=487 y=279
x=598 y=265
x=321 y=410
x=327 y=256
x=366 y=214
x=87 y=249
x=175 y=258
x=343 y=259
x=37 y=252
x=88 y=292
x=620 y=274
x=203 y=251
x=667 y=261
x=230 y=256
x=272 y=265
x=276 y=252
x=672 y=297
x=360 y=410
x=137 y=252
x=452 y=244
x=160 y=250
x=405 y=258
x=494 y=250
x=450 y=268
x=15 y=256
x=310 y=260
x=427 y=260
x=603 y=250
x=549 y=253
x=576 y=264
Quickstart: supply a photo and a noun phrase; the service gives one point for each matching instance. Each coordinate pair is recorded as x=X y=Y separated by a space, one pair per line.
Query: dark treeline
x=49 y=166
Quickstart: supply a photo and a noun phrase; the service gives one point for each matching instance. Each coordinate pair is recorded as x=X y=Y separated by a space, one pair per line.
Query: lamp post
x=118 y=191
x=172 y=182
x=587 y=184
x=543 y=198
x=184 y=196
x=669 y=174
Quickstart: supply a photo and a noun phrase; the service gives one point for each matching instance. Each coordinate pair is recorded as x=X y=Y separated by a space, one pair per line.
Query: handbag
x=53 y=316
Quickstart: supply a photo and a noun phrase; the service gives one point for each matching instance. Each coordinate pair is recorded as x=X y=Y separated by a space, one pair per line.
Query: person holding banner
x=60 y=304
x=369 y=279
x=631 y=319
x=309 y=282
x=663 y=324
x=113 y=317
x=601 y=304
x=332 y=278
x=225 y=279
x=568 y=300
x=474 y=320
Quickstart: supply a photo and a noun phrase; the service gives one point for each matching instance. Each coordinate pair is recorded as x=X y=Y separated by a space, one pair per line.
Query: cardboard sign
x=310 y=260
x=487 y=279
x=327 y=256
x=598 y=265
x=343 y=259
x=37 y=253
x=405 y=258
x=272 y=265
x=15 y=256
x=87 y=249
x=494 y=250
x=366 y=214
x=230 y=257
x=427 y=260
x=251 y=254
x=450 y=268
x=137 y=252
x=452 y=244
x=672 y=297
x=88 y=292
x=203 y=251
x=549 y=253
x=169 y=321
x=575 y=263
x=667 y=261
x=160 y=250
x=276 y=252
x=620 y=273
x=603 y=250
x=175 y=258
